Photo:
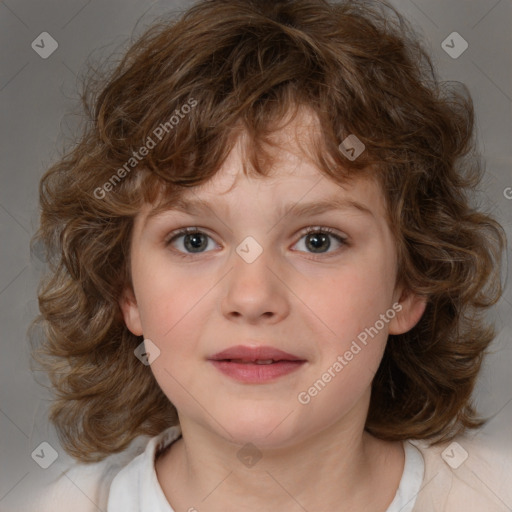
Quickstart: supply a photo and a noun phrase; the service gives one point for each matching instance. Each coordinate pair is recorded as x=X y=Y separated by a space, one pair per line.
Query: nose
x=256 y=292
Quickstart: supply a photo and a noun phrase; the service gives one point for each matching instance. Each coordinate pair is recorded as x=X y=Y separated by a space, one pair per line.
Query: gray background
x=35 y=96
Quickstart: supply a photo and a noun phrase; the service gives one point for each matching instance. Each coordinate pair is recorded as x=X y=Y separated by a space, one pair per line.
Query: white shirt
x=468 y=475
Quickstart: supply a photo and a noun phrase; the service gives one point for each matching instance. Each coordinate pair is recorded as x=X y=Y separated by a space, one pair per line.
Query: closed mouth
x=245 y=354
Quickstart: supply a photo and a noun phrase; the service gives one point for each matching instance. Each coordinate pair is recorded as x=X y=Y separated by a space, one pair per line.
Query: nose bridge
x=253 y=289
x=251 y=261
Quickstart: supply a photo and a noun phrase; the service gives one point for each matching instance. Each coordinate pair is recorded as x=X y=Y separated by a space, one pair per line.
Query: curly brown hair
x=243 y=65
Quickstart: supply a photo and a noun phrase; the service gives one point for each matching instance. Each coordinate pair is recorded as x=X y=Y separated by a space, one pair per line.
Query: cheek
x=168 y=296
x=354 y=296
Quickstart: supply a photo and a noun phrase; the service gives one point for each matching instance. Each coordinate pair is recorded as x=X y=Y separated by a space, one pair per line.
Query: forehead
x=294 y=183
x=291 y=177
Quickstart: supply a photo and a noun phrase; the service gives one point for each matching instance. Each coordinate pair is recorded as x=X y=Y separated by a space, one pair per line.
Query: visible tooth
x=264 y=361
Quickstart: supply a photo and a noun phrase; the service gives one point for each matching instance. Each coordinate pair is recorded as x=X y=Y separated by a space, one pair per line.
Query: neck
x=336 y=469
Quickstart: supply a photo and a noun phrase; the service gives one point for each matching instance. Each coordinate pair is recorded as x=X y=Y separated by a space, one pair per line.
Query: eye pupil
x=193 y=241
x=317 y=239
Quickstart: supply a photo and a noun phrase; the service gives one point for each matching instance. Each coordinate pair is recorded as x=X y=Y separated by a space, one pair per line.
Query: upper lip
x=261 y=353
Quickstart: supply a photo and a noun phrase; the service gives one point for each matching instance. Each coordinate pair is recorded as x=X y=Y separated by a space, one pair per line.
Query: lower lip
x=257 y=373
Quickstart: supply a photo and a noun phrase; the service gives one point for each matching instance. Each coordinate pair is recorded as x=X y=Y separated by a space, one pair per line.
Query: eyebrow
x=317 y=207
x=198 y=206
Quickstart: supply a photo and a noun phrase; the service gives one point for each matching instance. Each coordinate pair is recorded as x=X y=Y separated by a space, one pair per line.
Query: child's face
x=300 y=295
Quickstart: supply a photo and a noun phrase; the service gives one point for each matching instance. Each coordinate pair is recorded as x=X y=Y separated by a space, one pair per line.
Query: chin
x=264 y=430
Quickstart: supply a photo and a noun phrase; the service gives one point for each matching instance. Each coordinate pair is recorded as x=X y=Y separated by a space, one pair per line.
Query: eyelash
x=312 y=229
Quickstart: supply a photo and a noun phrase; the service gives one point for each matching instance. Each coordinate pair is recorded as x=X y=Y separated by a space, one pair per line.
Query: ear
x=131 y=313
x=412 y=308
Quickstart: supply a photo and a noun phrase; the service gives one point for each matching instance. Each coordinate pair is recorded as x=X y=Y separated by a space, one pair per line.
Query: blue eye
x=194 y=241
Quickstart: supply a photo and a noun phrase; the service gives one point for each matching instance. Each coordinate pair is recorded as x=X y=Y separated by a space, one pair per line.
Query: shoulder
x=83 y=487
x=136 y=486
x=470 y=473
